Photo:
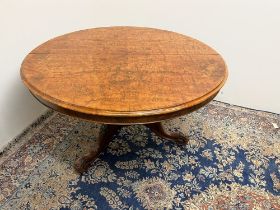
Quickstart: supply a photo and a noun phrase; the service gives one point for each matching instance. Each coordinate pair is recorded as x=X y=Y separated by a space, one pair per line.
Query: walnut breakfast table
x=120 y=76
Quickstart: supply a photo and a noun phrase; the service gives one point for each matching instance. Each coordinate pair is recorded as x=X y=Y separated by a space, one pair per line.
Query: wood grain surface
x=123 y=73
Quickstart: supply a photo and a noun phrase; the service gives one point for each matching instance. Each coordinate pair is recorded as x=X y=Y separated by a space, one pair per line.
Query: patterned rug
x=231 y=162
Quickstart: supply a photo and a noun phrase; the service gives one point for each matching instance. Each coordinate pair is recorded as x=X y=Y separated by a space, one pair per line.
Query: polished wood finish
x=106 y=135
x=127 y=120
x=124 y=75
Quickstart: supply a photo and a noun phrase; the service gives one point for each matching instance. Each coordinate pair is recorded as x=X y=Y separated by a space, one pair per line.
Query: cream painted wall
x=245 y=32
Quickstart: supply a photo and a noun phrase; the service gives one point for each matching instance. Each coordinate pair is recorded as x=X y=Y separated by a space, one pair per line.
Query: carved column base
x=107 y=134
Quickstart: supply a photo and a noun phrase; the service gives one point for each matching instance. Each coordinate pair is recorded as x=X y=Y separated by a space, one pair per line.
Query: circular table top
x=123 y=74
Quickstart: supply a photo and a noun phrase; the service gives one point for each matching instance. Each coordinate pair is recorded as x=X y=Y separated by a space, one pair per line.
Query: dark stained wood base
x=106 y=135
x=158 y=129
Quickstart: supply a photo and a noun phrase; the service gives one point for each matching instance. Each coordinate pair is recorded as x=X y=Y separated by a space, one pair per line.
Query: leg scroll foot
x=106 y=135
x=158 y=129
